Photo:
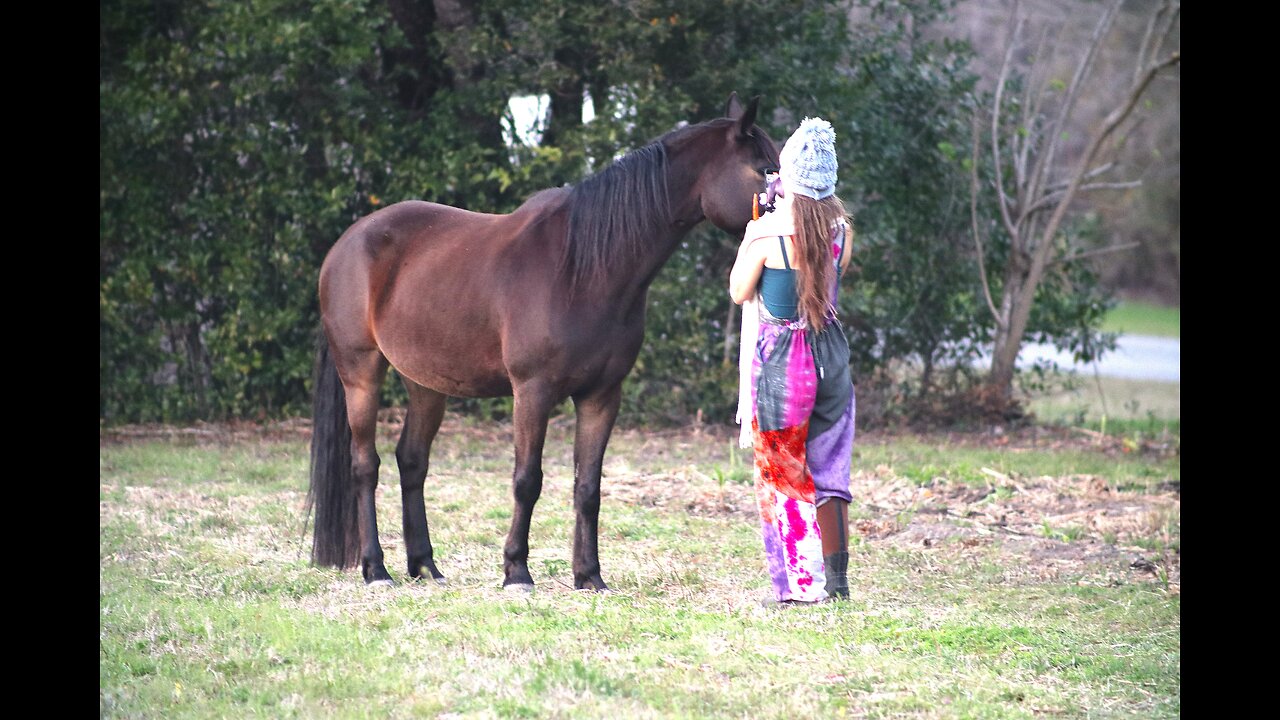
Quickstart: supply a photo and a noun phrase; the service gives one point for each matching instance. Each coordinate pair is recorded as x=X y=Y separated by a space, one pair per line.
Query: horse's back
x=427 y=284
x=405 y=227
x=416 y=228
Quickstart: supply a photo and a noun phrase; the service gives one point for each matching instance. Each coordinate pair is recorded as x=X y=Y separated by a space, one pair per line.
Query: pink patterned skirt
x=803 y=429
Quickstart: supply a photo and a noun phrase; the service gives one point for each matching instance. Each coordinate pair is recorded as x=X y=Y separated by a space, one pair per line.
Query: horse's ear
x=748 y=117
x=733 y=108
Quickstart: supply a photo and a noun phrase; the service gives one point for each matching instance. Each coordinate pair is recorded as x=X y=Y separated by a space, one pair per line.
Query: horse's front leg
x=596 y=414
x=532 y=407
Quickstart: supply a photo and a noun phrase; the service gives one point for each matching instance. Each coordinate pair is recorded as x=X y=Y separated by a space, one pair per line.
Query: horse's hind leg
x=362 y=376
x=596 y=414
x=413 y=453
x=532 y=407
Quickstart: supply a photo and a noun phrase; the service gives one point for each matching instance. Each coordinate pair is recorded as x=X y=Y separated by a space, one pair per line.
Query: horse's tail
x=332 y=494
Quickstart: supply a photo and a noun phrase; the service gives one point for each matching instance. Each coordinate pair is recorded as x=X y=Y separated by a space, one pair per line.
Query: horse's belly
x=461 y=380
x=470 y=386
x=447 y=358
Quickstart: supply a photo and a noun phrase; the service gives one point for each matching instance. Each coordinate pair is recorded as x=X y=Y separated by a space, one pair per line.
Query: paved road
x=1136 y=357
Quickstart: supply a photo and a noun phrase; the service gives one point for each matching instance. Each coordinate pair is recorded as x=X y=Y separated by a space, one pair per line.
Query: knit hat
x=809 y=160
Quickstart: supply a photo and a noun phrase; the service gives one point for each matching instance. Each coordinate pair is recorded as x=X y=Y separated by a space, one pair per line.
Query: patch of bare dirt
x=686 y=488
x=1048 y=525
x=1051 y=524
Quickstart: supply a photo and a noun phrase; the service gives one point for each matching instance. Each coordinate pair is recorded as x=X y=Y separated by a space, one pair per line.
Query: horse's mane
x=613 y=213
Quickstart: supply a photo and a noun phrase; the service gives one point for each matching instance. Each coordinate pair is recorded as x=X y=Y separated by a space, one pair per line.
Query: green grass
x=1139 y=318
x=208 y=607
x=1136 y=407
x=1155 y=406
x=926 y=460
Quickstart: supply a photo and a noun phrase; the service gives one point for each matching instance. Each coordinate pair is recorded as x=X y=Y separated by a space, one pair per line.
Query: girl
x=798 y=394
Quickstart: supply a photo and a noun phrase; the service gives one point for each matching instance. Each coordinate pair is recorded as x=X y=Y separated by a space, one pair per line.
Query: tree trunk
x=1008 y=340
x=566 y=98
x=1034 y=248
x=456 y=23
x=416 y=20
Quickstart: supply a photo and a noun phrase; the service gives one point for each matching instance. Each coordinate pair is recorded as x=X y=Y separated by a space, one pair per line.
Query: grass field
x=1138 y=405
x=1139 y=318
x=1141 y=404
x=993 y=577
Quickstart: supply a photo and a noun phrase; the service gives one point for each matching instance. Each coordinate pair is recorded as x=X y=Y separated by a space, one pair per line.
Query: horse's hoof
x=380 y=584
x=595 y=584
x=424 y=573
x=519 y=588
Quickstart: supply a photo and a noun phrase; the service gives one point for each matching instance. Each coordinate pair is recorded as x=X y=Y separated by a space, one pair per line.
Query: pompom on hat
x=809 y=160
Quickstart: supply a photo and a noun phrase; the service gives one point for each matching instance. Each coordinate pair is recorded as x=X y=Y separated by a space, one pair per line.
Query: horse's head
x=740 y=152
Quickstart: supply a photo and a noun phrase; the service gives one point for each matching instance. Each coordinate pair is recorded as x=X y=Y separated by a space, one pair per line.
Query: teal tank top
x=778 y=286
x=778 y=290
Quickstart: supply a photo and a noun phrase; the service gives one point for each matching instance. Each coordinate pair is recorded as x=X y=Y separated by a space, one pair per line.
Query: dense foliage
x=239 y=139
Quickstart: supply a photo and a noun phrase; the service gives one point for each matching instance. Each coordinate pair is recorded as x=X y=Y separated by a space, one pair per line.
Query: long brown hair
x=815 y=269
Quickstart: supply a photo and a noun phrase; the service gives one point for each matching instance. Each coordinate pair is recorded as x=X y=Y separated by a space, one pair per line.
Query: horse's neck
x=630 y=285
x=626 y=287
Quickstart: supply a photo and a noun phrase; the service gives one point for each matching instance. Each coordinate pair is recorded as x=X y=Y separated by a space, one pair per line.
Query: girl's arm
x=746 y=269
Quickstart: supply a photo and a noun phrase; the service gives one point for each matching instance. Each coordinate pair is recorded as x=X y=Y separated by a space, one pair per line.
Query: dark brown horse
x=544 y=304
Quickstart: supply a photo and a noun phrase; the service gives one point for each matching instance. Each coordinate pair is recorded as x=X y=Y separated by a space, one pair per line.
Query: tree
x=910 y=305
x=1036 y=176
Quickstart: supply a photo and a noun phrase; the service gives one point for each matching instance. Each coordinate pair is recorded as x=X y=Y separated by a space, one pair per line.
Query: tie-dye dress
x=803 y=428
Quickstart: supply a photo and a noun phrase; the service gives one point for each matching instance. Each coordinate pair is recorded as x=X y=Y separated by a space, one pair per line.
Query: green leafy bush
x=239 y=140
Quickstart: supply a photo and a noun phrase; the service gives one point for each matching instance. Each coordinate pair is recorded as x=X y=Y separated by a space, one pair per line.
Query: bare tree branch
x=1053 y=198
x=1100 y=251
x=1036 y=139
x=1118 y=115
x=973 y=214
x=1041 y=177
x=1030 y=111
x=1163 y=34
x=1120 y=185
x=1146 y=42
x=1099 y=170
x=1032 y=119
x=1015 y=29
x=1109 y=125
x=1087 y=176
x=1033 y=232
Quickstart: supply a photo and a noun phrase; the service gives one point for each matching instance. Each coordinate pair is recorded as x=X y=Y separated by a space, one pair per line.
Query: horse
x=543 y=304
